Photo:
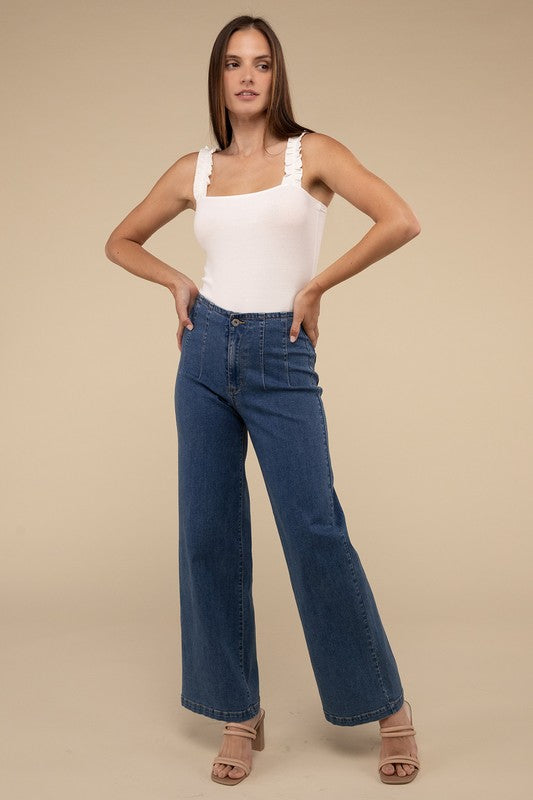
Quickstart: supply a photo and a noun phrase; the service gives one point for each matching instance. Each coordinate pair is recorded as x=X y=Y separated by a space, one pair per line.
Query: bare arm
x=394 y=221
x=333 y=165
x=170 y=195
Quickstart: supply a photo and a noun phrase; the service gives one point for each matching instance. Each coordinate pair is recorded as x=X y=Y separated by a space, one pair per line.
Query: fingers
x=183 y=316
x=185 y=298
x=185 y=322
x=294 y=332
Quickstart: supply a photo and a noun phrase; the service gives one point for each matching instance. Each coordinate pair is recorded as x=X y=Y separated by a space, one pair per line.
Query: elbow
x=411 y=227
x=109 y=249
x=404 y=225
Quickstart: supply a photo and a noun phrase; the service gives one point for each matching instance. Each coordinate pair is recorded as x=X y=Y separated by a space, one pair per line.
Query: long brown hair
x=279 y=117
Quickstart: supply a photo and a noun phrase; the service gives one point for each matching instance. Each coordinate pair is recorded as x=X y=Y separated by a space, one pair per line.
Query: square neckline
x=322 y=206
x=260 y=191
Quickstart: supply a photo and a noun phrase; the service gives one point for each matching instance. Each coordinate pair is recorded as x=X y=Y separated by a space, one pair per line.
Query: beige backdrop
x=425 y=360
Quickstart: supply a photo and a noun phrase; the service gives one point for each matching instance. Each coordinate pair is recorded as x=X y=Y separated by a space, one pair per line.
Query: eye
x=234 y=63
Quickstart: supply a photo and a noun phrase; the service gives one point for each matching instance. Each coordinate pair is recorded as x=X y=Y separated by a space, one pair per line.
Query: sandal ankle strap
x=398 y=730
x=242 y=730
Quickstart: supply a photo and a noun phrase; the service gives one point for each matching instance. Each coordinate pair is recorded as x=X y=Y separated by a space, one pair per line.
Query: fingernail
x=293 y=338
x=190 y=326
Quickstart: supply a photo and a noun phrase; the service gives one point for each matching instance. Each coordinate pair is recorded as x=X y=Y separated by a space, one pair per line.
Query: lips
x=247 y=91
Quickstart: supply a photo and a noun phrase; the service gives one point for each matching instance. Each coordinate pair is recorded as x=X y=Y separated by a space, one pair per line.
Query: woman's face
x=247 y=66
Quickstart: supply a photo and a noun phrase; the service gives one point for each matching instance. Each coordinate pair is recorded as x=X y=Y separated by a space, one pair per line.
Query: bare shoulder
x=321 y=149
x=326 y=160
x=179 y=177
x=336 y=169
x=320 y=142
x=171 y=194
x=315 y=148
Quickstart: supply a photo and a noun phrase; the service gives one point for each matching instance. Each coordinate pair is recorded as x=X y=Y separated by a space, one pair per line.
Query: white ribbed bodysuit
x=261 y=247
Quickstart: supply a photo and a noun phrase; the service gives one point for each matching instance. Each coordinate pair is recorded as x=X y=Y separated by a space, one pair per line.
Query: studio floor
x=94 y=712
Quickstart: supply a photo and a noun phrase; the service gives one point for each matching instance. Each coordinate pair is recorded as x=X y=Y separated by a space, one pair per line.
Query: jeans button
x=235 y=322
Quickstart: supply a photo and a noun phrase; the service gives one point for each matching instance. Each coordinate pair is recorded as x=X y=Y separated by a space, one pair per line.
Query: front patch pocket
x=192 y=346
x=301 y=359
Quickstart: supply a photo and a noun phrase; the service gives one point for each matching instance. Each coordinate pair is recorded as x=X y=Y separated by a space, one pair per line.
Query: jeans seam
x=241 y=557
x=203 y=343
x=286 y=327
x=346 y=548
x=242 y=364
x=325 y=448
x=365 y=617
x=262 y=352
x=227 y=361
x=310 y=352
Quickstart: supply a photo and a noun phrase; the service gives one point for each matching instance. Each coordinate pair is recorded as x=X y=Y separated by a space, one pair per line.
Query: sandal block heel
x=259 y=742
x=399 y=730
x=255 y=733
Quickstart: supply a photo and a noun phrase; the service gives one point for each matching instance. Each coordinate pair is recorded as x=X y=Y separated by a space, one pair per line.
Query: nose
x=246 y=74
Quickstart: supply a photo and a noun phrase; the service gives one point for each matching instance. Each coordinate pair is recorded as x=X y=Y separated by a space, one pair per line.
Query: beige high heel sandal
x=399 y=730
x=256 y=733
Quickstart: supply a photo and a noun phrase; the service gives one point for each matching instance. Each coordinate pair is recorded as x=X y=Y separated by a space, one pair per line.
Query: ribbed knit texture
x=261 y=247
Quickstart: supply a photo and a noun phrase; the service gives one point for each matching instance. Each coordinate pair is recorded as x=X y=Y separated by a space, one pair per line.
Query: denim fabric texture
x=238 y=375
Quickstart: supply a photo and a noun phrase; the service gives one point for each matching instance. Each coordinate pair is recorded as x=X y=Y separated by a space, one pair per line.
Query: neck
x=247 y=139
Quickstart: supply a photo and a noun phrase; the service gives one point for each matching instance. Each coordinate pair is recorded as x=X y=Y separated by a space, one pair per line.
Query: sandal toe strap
x=399 y=759
x=236 y=762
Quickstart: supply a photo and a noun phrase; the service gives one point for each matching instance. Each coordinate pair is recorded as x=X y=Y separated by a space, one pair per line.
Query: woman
x=247 y=366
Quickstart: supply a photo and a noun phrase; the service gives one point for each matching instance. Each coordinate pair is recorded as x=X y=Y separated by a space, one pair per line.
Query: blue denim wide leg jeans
x=240 y=374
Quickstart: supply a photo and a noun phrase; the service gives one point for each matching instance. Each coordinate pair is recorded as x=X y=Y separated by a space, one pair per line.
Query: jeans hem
x=367 y=716
x=216 y=713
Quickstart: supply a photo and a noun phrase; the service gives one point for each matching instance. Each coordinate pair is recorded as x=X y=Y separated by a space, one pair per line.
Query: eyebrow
x=232 y=55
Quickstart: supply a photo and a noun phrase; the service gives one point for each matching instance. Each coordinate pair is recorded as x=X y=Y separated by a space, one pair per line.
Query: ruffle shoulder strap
x=293 y=160
x=204 y=167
